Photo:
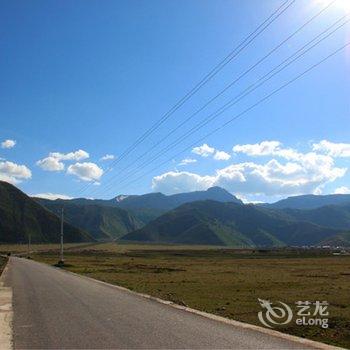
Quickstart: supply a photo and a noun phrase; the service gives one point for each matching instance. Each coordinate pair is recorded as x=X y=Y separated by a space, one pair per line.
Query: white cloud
x=51 y=196
x=8 y=144
x=258 y=149
x=267 y=148
x=188 y=161
x=332 y=149
x=50 y=164
x=54 y=162
x=297 y=173
x=308 y=175
x=176 y=182
x=14 y=173
x=342 y=190
x=108 y=157
x=77 y=155
x=204 y=150
x=221 y=155
x=85 y=171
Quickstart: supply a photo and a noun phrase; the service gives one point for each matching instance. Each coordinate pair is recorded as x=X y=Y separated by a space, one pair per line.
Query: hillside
x=210 y=222
x=335 y=216
x=21 y=216
x=310 y=201
x=147 y=207
x=102 y=222
x=339 y=240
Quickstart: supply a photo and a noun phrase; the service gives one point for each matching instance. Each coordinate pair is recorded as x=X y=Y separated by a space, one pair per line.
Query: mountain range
x=215 y=223
x=147 y=207
x=213 y=216
x=111 y=219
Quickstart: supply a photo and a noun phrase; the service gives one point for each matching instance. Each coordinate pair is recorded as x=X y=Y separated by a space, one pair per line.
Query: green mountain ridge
x=335 y=216
x=21 y=217
x=102 y=222
x=339 y=240
x=309 y=201
x=210 y=222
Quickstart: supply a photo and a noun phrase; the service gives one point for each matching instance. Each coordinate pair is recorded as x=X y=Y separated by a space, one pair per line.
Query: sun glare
x=340 y=4
x=344 y=4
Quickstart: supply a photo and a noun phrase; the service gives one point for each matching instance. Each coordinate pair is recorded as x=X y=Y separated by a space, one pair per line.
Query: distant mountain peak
x=217 y=189
x=310 y=201
x=121 y=197
x=160 y=201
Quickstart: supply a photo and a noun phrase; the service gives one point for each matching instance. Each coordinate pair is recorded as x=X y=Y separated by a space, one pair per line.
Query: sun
x=344 y=4
x=340 y=4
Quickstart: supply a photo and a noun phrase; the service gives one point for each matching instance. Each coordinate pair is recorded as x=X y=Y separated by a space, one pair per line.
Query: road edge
x=6 y=313
x=274 y=333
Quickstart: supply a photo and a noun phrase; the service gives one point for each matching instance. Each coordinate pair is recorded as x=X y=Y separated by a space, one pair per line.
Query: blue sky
x=85 y=79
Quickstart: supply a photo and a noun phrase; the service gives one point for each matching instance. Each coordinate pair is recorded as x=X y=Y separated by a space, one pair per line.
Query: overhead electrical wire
x=242 y=75
x=241 y=114
x=232 y=55
x=244 y=93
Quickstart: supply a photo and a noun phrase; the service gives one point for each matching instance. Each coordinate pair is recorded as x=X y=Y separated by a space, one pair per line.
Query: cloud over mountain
x=86 y=171
x=287 y=172
x=14 y=173
x=51 y=196
x=342 y=190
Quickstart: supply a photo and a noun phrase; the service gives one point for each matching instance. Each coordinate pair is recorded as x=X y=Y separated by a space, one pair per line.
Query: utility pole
x=29 y=241
x=61 y=261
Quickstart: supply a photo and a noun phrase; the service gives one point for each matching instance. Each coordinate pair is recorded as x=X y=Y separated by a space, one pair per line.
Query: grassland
x=225 y=282
x=23 y=248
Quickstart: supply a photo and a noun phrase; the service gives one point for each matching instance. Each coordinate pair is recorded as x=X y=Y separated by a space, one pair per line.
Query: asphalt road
x=56 y=309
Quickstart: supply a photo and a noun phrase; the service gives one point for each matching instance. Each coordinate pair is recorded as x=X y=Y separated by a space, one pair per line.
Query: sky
x=81 y=81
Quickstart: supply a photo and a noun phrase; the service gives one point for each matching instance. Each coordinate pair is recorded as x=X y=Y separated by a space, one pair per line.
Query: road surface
x=56 y=309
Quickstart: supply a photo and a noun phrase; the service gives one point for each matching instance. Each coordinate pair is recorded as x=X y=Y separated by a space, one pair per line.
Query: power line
x=244 y=93
x=244 y=112
x=233 y=54
x=237 y=98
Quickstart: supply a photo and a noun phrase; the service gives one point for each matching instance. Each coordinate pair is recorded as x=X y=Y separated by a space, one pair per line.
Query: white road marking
x=6 y=315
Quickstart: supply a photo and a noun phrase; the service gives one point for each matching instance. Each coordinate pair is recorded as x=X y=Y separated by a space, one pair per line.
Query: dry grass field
x=225 y=282
x=23 y=248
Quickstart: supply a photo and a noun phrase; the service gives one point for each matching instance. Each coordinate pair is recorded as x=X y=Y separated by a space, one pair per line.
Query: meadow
x=226 y=282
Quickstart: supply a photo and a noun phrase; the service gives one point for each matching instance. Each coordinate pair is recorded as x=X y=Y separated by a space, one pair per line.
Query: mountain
x=147 y=207
x=340 y=240
x=102 y=222
x=229 y=224
x=310 y=201
x=335 y=216
x=21 y=216
x=151 y=205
